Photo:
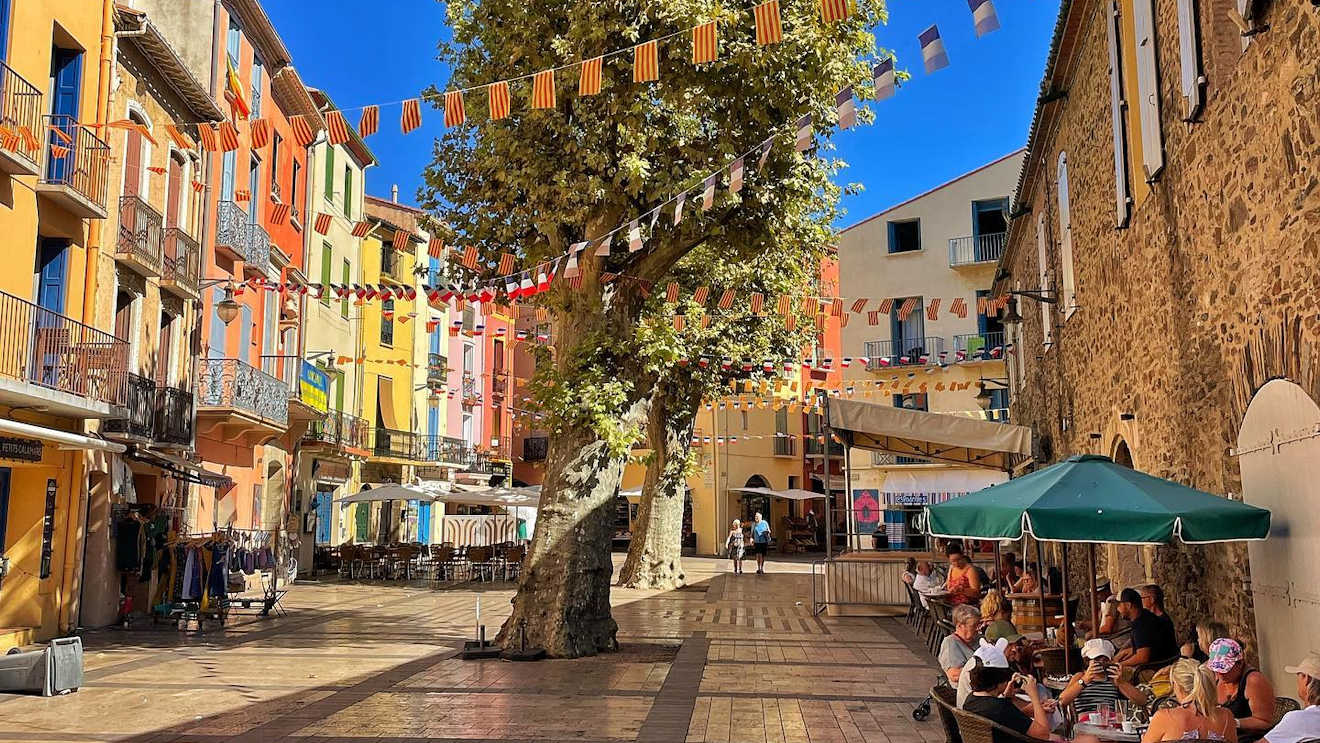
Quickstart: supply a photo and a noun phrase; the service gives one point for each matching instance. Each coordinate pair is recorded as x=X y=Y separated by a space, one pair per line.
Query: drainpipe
x=102 y=115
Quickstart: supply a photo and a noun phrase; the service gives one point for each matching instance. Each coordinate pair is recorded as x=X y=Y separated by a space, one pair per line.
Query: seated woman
x=1101 y=683
x=997 y=613
x=1030 y=580
x=958 y=648
x=992 y=690
x=1206 y=632
x=964 y=582
x=1198 y=715
x=1242 y=690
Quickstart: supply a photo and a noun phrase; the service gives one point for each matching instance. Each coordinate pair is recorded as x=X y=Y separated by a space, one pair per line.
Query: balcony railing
x=447 y=449
x=174 y=416
x=535 y=449
x=141 y=405
x=232 y=383
x=979 y=346
x=340 y=429
x=241 y=237
x=905 y=352
x=470 y=391
x=391 y=265
x=141 y=235
x=814 y=448
x=387 y=442
x=50 y=350
x=78 y=161
x=499 y=384
x=973 y=249
x=783 y=446
x=437 y=368
x=180 y=266
x=20 y=115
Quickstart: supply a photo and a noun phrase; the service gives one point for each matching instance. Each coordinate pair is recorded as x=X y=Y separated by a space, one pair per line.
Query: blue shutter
x=216 y=343
x=323 y=517
x=245 y=333
x=227 y=165
x=52 y=284
x=66 y=75
x=4 y=57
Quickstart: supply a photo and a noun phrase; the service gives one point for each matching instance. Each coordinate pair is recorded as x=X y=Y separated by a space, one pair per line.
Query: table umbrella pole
x=1040 y=582
x=1067 y=621
x=1095 y=604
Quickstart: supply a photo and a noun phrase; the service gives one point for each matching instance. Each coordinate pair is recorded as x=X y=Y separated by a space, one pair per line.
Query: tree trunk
x=563 y=599
x=655 y=553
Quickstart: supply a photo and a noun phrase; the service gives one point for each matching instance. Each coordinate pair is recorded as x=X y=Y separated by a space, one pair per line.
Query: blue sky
x=937 y=127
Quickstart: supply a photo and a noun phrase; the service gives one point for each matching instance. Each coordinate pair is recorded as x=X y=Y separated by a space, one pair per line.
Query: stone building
x=1170 y=203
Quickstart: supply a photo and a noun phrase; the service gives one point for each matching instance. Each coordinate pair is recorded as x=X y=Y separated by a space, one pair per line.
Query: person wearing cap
x=1153 y=640
x=1303 y=724
x=1243 y=690
x=992 y=691
x=991 y=654
x=1101 y=683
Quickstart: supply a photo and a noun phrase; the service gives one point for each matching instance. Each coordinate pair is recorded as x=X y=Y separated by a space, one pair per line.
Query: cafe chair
x=1284 y=705
x=973 y=728
x=945 y=698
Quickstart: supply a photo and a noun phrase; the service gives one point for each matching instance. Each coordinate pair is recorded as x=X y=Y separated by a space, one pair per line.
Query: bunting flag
x=765 y=153
x=959 y=307
x=680 y=322
x=242 y=195
x=678 y=207
x=810 y=305
x=886 y=306
x=506 y=263
x=769 y=30
x=589 y=81
x=59 y=151
x=206 y=133
x=436 y=248
x=228 y=136
x=181 y=140
x=983 y=16
x=790 y=323
x=846 y=107
x=156 y=169
x=133 y=126
x=701 y=295
x=455 y=114
x=736 y=176
x=361 y=229
x=886 y=80
x=833 y=10
x=905 y=311
x=671 y=293
x=726 y=299
x=634 y=237
x=932 y=50
x=571 y=270
x=981 y=304
x=859 y=305
x=873 y=317
x=543 y=89
x=499 y=101
x=933 y=309
x=304 y=131
x=708 y=192
x=259 y=133
x=279 y=214
x=786 y=305
x=758 y=301
x=836 y=307
x=198 y=186
x=470 y=257
x=705 y=43
x=603 y=250
x=370 y=121
x=337 y=125
x=804 y=138
x=411 y=117
x=322 y=223
x=646 y=62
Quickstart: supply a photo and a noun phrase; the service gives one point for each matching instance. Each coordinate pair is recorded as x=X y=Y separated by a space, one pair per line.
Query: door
x=254 y=187
x=433 y=431
x=132 y=164
x=361 y=522
x=164 y=349
x=909 y=335
x=324 y=500
x=424 y=523
x=52 y=336
x=52 y=281
x=173 y=200
x=988 y=227
x=66 y=87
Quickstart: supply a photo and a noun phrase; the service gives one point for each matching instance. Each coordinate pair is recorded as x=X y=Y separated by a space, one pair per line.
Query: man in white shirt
x=1302 y=724
x=924 y=582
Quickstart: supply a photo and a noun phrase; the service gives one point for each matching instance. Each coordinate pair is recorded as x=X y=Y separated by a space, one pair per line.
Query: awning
x=65 y=439
x=928 y=486
x=385 y=402
x=791 y=494
x=182 y=469
x=917 y=433
x=388 y=493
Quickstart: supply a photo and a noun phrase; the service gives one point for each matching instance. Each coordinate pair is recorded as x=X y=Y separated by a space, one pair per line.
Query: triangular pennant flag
x=705 y=43
x=846 y=108
x=708 y=191
x=765 y=153
x=634 y=237
x=571 y=270
x=983 y=16
x=736 y=176
x=455 y=114
x=932 y=49
x=655 y=217
x=769 y=29
x=603 y=250
x=589 y=81
x=500 y=102
x=543 y=89
x=370 y=121
x=646 y=62
x=337 y=125
x=886 y=80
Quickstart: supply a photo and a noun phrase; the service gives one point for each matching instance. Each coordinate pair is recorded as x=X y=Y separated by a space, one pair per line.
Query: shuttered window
x=327 y=261
x=1122 y=194
x=1189 y=54
x=1042 y=261
x=1068 y=300
x=1148 y=89
x=330 y=174
x=348 y=191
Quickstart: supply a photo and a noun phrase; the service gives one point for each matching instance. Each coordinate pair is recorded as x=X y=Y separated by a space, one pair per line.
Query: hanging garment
x=192 y=576
x=127 y=559
x=218 y=581
x=165 y=572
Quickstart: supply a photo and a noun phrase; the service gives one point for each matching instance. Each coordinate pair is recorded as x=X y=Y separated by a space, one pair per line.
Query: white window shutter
x=1189 y=50
x=1042 y=260
x=1122 y=196
x=1148 y=89
x=1068 y=293
x=1246 y=9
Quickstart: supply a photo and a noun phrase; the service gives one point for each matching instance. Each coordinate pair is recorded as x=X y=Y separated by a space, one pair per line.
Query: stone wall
x=1212 y=289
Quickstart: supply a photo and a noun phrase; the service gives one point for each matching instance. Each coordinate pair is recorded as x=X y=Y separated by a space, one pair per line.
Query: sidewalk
x=728 y=659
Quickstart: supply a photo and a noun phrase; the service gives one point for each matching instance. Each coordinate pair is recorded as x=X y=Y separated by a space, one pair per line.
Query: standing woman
x=735 y=546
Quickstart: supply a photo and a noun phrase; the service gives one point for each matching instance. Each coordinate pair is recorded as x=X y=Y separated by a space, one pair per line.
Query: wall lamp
x=1044 y=296
x=983 y=398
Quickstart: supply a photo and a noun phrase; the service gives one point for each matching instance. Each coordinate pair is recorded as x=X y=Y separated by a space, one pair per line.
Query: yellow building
x=58 y=370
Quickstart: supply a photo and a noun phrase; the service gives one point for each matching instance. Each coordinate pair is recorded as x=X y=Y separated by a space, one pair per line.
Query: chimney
x=394 y=193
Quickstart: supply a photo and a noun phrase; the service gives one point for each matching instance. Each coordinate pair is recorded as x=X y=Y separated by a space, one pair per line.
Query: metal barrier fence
x=856 y=582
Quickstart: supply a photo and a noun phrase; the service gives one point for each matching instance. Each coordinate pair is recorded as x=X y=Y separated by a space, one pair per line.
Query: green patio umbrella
x=1089 y=498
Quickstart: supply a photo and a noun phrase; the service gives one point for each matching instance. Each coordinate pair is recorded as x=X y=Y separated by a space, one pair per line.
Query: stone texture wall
x=1212 y=290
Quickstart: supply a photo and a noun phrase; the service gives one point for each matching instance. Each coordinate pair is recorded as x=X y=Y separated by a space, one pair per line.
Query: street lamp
x=227 y=308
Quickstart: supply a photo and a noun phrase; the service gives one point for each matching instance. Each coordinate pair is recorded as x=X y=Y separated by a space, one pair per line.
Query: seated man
x=1153 y=639
x=1101 y=683
x=925 y=581
x=1303 y=724
x=991 y=690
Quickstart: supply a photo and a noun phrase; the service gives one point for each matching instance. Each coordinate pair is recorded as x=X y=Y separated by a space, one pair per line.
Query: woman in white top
x=736 y=544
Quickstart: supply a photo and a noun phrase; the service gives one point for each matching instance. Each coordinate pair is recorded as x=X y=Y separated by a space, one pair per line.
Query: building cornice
x=260 y=32
x=142 y=34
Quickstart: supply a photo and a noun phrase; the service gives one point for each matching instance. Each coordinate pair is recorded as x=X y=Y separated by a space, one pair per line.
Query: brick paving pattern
x=731 y=659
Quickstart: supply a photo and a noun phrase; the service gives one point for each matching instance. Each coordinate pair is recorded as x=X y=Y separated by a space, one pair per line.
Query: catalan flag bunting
x=758 y=302
x=804 y=138
x=238 y=105
x=833 y=10
x=455 y=114
x=726 y=299
x=208 y=137
x=705 y=43
x=671 y=292
x=500 y=103
x=470 y=257
x=279 y=214
x=304 y=131
x=886 y=81
x=847 y=108
x=400 y=241
x=228 y=136
x=436 y=248
x=506 y=264
x=933 y=309
x=259 y=133
x=589 y=81
x=543 y=89
x=785 y=305
x=932 y=49
x=984 y=16
x=411 y=118
x=337 y=125
x=322 y=224
x=361 y=229
x=859 y=305
x=769 y=29
x=369 y=123
x=701 y=295
x=736 y=176
x=905 y=310
x=646 y=62
x=183 y=141
x=959 y=307
x=708 y=192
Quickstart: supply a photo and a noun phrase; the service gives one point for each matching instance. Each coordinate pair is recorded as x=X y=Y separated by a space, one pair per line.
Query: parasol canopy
x=1089 y=498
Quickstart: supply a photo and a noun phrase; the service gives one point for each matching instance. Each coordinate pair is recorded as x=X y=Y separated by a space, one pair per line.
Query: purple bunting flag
x=984 y=16
x=804 y=138
x=847 y=108
x=886 y=81
x=932 y=49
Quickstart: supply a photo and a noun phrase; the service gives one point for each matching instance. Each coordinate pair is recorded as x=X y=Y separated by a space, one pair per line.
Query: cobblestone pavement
x=730 y=659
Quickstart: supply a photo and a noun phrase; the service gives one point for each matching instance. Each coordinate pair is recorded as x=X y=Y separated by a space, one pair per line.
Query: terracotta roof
x=292 y=97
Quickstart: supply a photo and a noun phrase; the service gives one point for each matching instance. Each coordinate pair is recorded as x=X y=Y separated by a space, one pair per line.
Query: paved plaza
x=726 y=660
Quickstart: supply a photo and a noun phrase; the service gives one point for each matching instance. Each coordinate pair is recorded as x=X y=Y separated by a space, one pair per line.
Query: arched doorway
x=1127 y=566
x=754 y=503
x=1122 y=454
x=1278 y=450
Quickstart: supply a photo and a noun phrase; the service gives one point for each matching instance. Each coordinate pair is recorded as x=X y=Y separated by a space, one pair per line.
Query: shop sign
x=327 y=470
x=313 y=387
x=908 y=499
x=20 y=450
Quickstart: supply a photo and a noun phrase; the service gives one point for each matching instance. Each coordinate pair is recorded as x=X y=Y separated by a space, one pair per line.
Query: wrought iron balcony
x=340 y=429
x=387 y=442
x=43 y=350
x=979 y=346
x=471 y=394
x=242 y=239
x=174 y=416
x=974 y=249
x=141 y=407
x=903 y=352
x=536 y=448
x=783 y=446
x=20 y=117
x=437 y=368
x=448 y=450
x=77 y=168
x=141 y=236
x=235 y=384
x=180 y=266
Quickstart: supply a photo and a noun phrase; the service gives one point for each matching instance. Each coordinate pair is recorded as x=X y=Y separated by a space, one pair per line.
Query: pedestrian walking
x=735 y=545
x=760 y=541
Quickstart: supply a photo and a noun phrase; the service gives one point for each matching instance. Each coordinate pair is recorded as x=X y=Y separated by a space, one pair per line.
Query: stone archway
x=1278 y=447
x=1127 y=565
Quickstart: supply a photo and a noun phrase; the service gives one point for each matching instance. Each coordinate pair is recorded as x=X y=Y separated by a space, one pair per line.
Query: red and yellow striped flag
x=589 y=81
x=933 y=309
x=455 y=114
x=769 y=29
x=506 y=264
x=337 y=125
x=671 y=292
x=833 y=10
x=279 y=214
x=322 y=224
x=183 y=141
x=400 y=241
x=726 y=299
x=436 y=249
x=259 y=132
x=981 y=304
x=470 y=257
x=810 y=304
x=758 y=301
x=843 y=320
x=860 y=304
x=705 y=43
x=873 y=317
x=361 y=229
x=411 y=118
x=836 y=307
x=206 y=133
x=498 y=95
x=543 y=89
x=701 y=294
x=705 y=322
x=646 y=62
x=304 y=132
x=906 y=309
x=886 y=306
x=370 y=121
x=228 y=136
x=786 y=305
x=959 y=308
x=680 y=322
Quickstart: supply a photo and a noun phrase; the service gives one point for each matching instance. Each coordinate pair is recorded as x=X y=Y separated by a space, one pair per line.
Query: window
x=467 y=359
x=256 y=86
x=246 y=336
x=348 y=191
x=295 y=175
x=469 y=318
x=1043 y=263
x=908 y=334
x=905 y=237
x=1069 y=299
x=1148 y=88
x=466 y=430
x=781 y=421
x=232 y=43
x=275 y=165
x=346 y=277
x=329 y=174
x=743 y=415
x=387 y=322
x=327 y=264
x=216 y=343
x=1117 y=108
x=228 y=165
x=1189 y=52
x=911 y=401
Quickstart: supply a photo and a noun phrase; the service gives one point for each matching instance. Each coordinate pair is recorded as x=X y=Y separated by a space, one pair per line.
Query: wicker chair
x=946 y=701
x=1284 y=705
x=976 y=729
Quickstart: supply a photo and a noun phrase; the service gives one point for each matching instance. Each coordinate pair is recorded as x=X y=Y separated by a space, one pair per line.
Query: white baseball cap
x=1310 y=665
x=992 y=655
x=1098 y=648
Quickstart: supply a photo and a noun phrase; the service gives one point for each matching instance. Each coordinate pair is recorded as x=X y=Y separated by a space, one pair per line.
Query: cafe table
x=1105 y=732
